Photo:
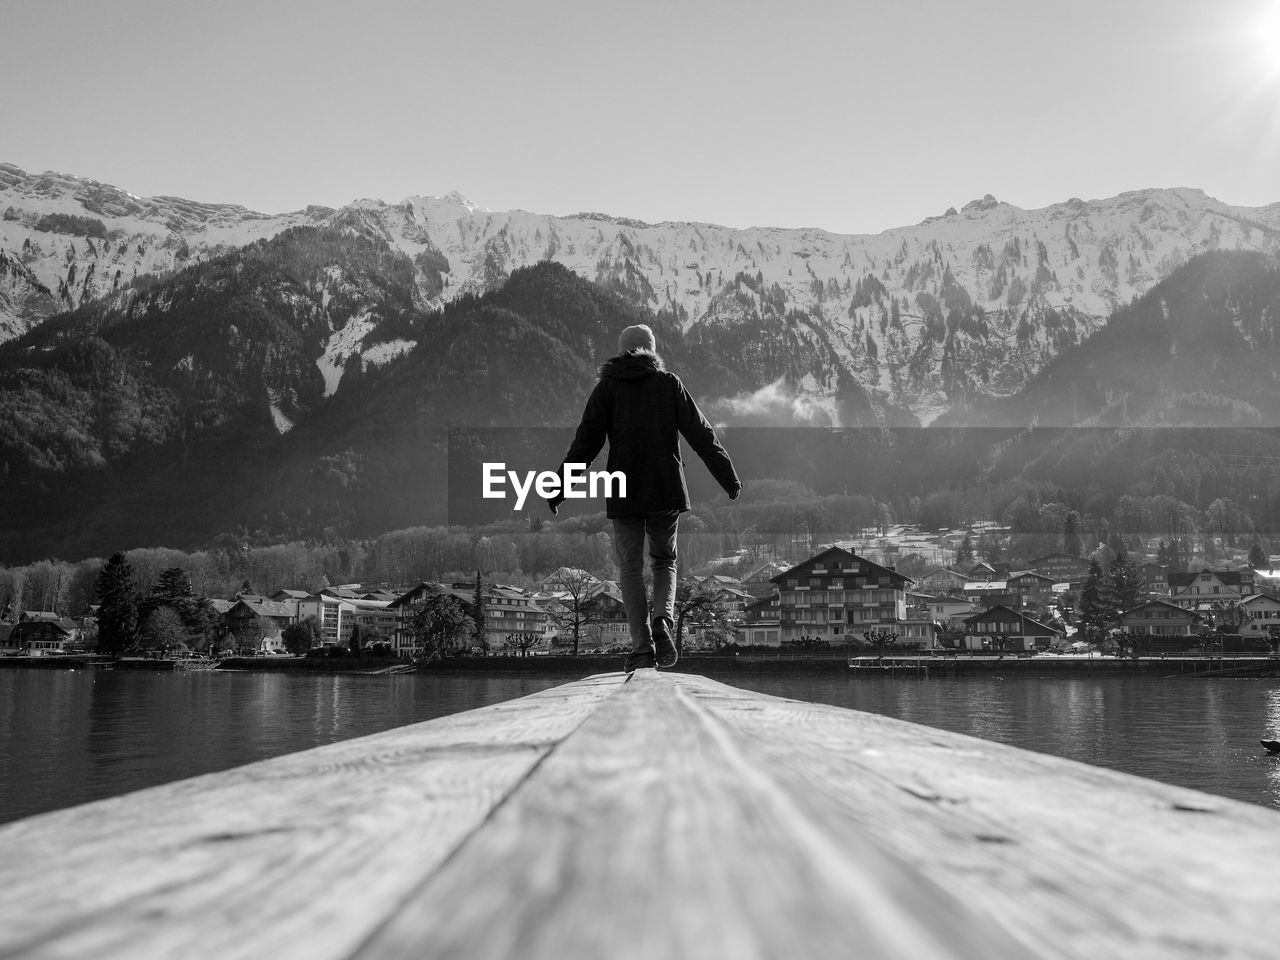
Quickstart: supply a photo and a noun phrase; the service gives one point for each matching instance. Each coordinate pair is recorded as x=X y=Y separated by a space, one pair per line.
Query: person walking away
x=643 y=409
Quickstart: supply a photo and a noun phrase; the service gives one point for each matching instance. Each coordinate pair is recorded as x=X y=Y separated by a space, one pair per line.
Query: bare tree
x=578 y=606
x=881 y=641
x=521 y=642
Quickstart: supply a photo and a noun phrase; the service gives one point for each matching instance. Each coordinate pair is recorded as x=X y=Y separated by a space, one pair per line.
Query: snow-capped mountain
x=924 y=318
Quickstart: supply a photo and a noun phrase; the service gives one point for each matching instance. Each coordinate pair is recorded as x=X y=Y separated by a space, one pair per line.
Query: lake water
x=68 y=737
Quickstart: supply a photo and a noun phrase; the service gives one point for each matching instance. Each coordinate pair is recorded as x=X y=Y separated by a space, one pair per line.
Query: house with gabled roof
x=1031 y=587
x=408 y=603
x=835 y=593
x=1061 y=567
x=984 y=571
x=1204 y=587
x=1161 y=618
x=1021 y=631
x=40 y=633
x=950 y=611
x=941 y=580
x=759 y=582
x=1263 y=615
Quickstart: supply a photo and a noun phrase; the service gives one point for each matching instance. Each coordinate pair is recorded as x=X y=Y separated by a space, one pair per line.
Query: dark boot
x=639 y=660
x=665 y=647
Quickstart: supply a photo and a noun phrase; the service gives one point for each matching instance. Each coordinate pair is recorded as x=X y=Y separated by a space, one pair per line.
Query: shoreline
x=711 y=665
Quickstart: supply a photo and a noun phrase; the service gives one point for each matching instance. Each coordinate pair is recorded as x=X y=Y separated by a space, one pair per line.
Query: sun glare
x=1268 y=37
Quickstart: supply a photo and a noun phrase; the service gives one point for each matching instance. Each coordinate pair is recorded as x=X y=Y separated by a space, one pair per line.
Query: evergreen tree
x=1258 y=558
x=477 y=612
x=173 y=590
x=118 y=605
x=1072 y=545
x=301 y=636
x=1117 y=544
x=1162 y=555
x=1127 y=584
x=1097 y=600
x=964 y=553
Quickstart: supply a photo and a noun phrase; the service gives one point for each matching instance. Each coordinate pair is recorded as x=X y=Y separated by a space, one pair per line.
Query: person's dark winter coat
x=643 y=409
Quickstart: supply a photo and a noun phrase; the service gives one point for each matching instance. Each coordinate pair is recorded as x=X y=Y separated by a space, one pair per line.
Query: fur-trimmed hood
x=632 y=365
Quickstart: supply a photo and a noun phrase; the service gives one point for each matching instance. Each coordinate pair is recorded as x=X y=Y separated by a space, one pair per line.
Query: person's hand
x=736 y=493
x=554 y=504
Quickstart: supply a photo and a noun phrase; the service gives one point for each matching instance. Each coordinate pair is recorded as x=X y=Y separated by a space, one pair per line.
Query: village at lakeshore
x=894 y=598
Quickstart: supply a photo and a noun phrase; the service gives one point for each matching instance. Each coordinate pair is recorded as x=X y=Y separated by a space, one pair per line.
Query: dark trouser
x=628 y=543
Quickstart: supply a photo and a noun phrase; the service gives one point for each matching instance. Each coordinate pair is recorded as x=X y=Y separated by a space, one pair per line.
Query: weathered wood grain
x=1075 y=860
x=649 y=834
x=300 y=856
x=667 y=816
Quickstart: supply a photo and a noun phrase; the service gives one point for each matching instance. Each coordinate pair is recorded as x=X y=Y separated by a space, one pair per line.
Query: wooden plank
x=1072 y=859
x=301 y=856
x=650 y=834
x=670 y=816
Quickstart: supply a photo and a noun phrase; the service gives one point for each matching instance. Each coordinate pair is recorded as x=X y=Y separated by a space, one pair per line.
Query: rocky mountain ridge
x=923 y=320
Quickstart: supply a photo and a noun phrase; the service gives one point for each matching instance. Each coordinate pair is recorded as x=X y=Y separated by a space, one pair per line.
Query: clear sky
x=848 y=115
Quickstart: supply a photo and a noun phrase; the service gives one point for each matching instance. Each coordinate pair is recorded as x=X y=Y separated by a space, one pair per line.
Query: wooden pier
x=657 y=817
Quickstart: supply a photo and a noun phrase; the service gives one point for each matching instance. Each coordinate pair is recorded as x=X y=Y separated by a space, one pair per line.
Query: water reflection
x=1199 y=733
x=67 y=737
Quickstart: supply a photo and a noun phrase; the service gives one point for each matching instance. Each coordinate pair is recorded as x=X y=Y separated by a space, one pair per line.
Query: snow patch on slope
x=385 y=352
x=341 y=345
x=283 y=423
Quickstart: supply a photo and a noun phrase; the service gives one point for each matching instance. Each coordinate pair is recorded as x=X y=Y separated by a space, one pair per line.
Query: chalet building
x=730 y=596
x=39 y=634
x=941 y=580
x=7 y=649
x=1031 y=588
x=1061 y=567
x=284 y=596
x=760 y=623
x=555 y=582
x=255 y=623
x=610 y=626
x=1156 y=578
x=509 y=613
x=405 y=606
x=278 y=613
x=1263 y=612
x=1204 y=587
x=759 y=582
x=984 y=571
x=1022 y=632
x=990 y=593
x=1160 y=618
x=836 y=593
